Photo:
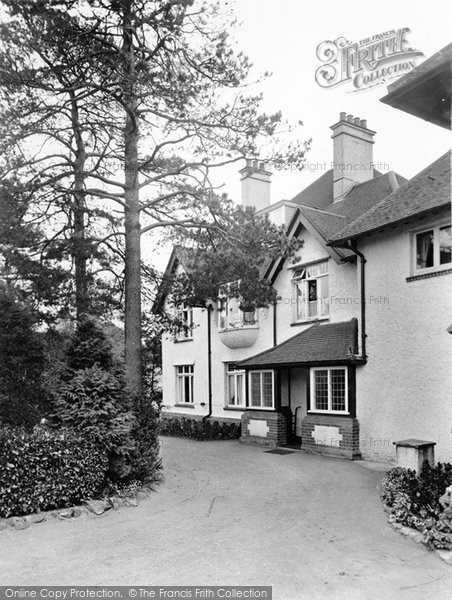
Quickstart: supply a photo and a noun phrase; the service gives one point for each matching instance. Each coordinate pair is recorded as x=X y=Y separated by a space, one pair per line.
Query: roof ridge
x=326 y=212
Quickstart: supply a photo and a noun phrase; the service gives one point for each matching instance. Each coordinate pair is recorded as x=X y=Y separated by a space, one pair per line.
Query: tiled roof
x=318 y=194
x=319 y=344
x=328 y=217
x=428 y=190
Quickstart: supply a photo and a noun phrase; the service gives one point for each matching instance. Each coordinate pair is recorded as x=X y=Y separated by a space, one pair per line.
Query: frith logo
x=369 y=62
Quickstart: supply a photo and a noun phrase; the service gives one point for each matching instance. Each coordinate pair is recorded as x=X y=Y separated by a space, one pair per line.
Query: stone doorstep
x=417 y=537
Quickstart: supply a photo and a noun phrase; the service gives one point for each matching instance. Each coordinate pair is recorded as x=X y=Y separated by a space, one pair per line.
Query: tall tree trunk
x=78 y=210
x=131 y=212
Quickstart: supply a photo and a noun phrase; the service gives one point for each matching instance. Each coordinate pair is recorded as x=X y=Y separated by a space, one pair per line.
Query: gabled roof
x=179 y=256
x=428 y=190
x=320 y=344
x=327 y=221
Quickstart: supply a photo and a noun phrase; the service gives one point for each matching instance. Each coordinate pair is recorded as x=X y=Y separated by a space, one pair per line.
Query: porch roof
x=320 y=344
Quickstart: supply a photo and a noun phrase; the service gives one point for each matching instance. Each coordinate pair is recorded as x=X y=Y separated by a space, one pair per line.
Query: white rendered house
x=355 y=354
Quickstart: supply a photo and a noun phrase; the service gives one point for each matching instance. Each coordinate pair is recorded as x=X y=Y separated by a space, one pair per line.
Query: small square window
x=433 y=248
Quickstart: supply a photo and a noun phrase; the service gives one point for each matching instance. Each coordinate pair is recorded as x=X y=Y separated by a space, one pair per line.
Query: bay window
x=329 y=390
x=230 y=316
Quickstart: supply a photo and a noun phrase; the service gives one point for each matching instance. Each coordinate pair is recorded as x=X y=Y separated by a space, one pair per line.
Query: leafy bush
x=414 y=500
x=21 y=362
x=146 y=463
x=199 y=430
x=41 y=470
x=94 y=402
x=88 y=347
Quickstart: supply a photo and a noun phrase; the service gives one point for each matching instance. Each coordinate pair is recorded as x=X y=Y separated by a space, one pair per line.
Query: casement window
x=235 y=387
x=184 y=317
x=184 y=384
x=261 y=389
x=230 y=316
x=311 y=291
x=329 y=390
x=433 y=248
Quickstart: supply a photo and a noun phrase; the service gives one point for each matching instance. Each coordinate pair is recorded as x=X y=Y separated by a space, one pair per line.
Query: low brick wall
x=174 y=415
x=265 y=428
x=332 y=435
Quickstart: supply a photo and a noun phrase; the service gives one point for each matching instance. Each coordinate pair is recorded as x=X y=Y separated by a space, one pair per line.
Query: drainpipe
x=363 y=261
x=209 y=359
x=275 y=303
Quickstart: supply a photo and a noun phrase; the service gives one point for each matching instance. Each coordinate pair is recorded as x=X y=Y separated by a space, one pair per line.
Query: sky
x=282 y=37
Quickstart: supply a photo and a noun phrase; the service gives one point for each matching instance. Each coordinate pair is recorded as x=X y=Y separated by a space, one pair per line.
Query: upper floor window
x=329 y=391
x=311 y=291
x=231 y=316
x=433 y=247
x=184 y=317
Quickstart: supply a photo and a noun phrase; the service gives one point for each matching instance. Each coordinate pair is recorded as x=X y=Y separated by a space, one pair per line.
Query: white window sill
x=433 y=272
x=329 y=412
x=310 y=320
x=260 y=408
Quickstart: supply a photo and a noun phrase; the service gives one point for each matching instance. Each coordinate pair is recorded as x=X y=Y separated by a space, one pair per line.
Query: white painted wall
x=405 y=389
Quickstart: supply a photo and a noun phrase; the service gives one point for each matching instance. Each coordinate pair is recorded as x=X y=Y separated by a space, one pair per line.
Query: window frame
x=239 y=320
x=184 y=333
x=437 y=267
x=235 y=373
x=312 y=399
x=260 y=407
x=180 y=377
x=296 y=318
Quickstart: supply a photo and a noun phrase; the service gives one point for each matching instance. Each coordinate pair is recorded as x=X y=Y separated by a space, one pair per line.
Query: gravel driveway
x=229 y=514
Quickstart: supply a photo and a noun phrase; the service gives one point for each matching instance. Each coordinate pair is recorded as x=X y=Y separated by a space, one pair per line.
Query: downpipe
x=363 y=261
x=209 y=360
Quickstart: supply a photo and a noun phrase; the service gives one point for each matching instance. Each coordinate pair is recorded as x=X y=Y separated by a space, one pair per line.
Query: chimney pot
x=255 y=164
x=342 y=116
x=350 y=118
x=364 y=123
x=356 y=120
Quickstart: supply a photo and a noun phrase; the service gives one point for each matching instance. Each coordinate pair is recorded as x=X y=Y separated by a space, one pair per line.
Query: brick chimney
x=255 y=184
x=352 y=154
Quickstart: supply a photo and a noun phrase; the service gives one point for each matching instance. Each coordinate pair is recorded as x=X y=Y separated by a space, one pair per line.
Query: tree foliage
x=231 y=259
x=22 y=361
x=174 y=89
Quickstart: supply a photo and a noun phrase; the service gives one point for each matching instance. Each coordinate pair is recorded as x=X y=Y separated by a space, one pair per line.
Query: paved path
x=229 y=514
